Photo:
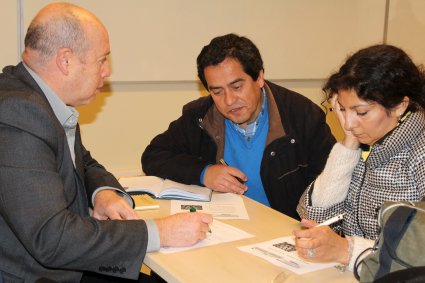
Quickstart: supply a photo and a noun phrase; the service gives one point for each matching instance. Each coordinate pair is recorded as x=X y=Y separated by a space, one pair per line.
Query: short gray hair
x=61 y=31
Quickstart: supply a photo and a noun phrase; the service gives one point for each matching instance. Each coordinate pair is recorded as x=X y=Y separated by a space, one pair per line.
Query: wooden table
x=225 y=263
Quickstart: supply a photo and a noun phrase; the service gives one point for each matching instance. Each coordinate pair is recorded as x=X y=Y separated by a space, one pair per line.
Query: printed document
x=221 y=206
x=220 y=233
x=281 y=252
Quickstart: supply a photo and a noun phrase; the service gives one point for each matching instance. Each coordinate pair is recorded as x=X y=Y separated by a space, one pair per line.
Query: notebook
x=164 y=188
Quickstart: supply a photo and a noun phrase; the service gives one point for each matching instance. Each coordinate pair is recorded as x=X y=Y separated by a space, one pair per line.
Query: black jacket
x=297 y=146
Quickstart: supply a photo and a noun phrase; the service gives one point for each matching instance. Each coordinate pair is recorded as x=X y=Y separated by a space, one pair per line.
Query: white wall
x=9 y=34
x=159 y=40
x=406 y=27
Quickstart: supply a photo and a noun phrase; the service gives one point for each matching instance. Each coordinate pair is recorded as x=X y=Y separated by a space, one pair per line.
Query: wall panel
x=9 y=32
x=304 y=39
x=406 y=27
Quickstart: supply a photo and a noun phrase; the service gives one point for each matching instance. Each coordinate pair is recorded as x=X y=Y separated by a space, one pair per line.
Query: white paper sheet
x=220 y=233
x=221 y=206
x=281 y=252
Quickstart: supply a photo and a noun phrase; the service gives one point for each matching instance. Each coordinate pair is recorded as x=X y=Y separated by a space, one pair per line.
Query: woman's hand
x=320 y=244
x=349 y=140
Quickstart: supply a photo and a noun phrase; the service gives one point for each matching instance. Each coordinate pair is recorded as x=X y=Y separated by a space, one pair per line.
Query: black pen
x=239 y=179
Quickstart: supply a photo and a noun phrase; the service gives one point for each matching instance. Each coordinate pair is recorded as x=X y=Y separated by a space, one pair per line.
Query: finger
x=237 y=174
x=303 y=234
x=235 y=186
x=300 y=233
x=202 y=236
x=223 y=188
x=308 y=223
x=99 y=216
x=240 y=184
x=206 y=218
x=309 y=253
x=302 y=252
x=334 y=100
x=205 y=229
x=303 y=245
x=113 y=215
x=227 y=185
x=237 y=189
x=129 y=214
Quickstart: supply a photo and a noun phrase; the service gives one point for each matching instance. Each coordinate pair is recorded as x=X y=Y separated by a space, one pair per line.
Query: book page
x=165 y=189
x=149 y=184
x=175 y=190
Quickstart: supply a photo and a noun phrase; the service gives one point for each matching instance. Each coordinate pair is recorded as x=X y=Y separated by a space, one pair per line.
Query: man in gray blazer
x=48 y=179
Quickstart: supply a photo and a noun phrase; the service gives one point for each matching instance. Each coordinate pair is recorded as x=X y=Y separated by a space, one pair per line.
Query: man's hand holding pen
x=224 y=178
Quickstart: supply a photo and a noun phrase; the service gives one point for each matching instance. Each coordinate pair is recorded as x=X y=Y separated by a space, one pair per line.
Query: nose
x=229 y=97
x=106 y=69
x=348 y=121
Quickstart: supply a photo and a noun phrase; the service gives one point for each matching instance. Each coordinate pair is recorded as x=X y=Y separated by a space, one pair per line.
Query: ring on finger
x=311 y=253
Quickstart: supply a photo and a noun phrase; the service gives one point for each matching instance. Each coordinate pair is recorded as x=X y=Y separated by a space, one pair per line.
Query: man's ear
x=63 y=59
x=260 y=79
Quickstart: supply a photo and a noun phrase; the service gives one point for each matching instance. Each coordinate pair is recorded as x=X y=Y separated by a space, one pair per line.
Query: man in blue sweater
x=273 y=141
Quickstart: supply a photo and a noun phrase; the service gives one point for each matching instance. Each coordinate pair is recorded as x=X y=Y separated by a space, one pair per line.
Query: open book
x=164 y=189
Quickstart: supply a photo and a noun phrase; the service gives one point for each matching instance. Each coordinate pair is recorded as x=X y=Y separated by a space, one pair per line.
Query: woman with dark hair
x=378 y=96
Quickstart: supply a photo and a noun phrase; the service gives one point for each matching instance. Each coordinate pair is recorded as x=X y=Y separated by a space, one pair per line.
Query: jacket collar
x=403 y=136
x=213 y=123
x=20 y=72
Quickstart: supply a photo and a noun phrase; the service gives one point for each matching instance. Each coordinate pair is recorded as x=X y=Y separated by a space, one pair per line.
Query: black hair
x=381 y=73
x=230 y=46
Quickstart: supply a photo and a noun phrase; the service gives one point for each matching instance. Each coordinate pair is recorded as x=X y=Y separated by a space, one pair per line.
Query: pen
x=331 y=220
x=193 y=209
x=239 y=179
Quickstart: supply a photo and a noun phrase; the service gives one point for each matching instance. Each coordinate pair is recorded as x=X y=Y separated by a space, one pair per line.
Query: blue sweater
x=247 y=155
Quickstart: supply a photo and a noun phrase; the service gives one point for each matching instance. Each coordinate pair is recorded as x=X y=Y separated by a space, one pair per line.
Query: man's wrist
x=123 y=194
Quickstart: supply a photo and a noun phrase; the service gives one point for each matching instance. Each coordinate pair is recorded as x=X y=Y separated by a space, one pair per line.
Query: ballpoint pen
x=193 y=209
x=239 y=179
x=331 y=220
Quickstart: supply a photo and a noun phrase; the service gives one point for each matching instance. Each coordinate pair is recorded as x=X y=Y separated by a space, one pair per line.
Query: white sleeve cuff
x=359 y=245
x=125 y=195
x=153 y=236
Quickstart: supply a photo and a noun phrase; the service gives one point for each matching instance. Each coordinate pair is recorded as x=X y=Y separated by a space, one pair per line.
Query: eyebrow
x=236 y=81
x=105 y=54
x=229 y=84
x=356 y=106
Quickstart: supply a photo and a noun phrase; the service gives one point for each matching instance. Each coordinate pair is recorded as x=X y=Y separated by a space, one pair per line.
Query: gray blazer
x=45 y=227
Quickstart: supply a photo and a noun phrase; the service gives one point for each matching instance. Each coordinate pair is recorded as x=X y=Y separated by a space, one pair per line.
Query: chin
x=237 y=119
x=366 y=141
x=88 y=100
